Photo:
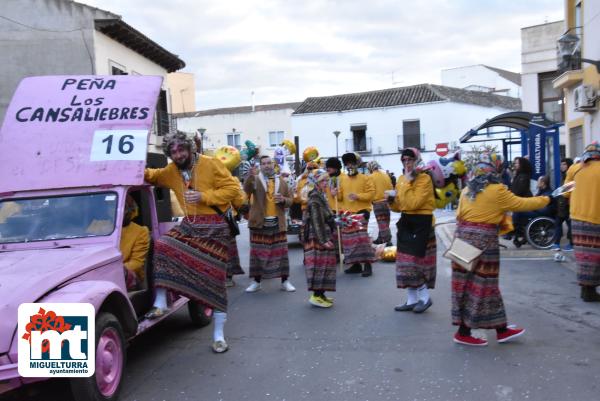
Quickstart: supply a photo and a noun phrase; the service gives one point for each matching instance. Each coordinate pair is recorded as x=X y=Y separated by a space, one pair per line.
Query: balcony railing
x=164 y=123
x=359 y=146
x=411 y=141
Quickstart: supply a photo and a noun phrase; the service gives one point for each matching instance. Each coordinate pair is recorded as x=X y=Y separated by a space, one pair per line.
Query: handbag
x=229 y=218
x=463 y=254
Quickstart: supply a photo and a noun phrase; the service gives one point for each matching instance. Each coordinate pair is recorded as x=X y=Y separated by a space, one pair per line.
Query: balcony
x=411 y=141
x=359 y=146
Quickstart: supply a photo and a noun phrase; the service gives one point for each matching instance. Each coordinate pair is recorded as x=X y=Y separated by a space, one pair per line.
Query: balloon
x=229 y=156
x=279 y=156
x=310 y=154
x=435 y=169
x=289 y=145
x=459 y=168
x=445 y=195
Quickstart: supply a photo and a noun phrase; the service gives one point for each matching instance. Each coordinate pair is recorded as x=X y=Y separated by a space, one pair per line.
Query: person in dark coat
x=521 y=187
x=562 y=211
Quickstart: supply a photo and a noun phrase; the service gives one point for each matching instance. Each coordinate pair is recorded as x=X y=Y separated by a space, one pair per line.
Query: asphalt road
x=282 y=348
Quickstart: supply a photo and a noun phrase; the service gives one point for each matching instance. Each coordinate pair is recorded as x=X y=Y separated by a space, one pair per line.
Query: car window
x=57 y=217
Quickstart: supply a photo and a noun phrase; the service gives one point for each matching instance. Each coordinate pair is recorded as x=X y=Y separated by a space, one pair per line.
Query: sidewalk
x=445 y=226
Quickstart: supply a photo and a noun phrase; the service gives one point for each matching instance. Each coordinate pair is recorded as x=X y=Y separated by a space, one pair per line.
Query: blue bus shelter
x=536 y=135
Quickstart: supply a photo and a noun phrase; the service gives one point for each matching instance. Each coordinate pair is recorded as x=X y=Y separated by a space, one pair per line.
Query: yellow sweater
x=209 y=177
x=135 y=242
x=298 y=195
x=490 y=204
x=241 y=198
x=9 y=209
x=331 y=199
x=382 y=183
x=362 y=186
x=585 y=198
x=414 y=197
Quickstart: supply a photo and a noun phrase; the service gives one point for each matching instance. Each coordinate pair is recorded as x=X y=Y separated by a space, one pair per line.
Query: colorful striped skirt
x=356 y=244
x=320 y=264
x=233 y=265
x=586 y=238
x=191 y=260
x=476 y=299
x=414 y=271
x=382 y=215
x=268 y=253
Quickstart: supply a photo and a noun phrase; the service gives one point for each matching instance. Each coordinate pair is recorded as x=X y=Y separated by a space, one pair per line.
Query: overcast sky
x=287 y=50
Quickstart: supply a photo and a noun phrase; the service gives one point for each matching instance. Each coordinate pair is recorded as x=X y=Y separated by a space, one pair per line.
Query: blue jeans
x=559 y=230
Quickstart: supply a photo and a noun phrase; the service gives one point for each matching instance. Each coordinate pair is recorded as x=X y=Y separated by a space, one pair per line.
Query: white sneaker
x=255 y=286
x=287 y=286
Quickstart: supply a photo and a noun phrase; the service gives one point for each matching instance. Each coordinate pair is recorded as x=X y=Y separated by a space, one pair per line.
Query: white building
x=483 y=78
x=379 y=124
x=580 y=79
x=539 y=69
x=265 y=125
x=63 y=37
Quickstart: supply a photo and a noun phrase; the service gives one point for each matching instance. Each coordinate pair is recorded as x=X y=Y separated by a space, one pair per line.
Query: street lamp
x=569 y=53
x=201 y=131
x=337 y=134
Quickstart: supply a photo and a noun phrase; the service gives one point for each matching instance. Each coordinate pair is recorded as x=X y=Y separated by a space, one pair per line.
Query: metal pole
x=337 y=134
x=297 y=156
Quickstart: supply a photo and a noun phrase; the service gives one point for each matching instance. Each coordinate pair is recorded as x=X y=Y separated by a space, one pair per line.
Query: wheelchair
x=539 y=232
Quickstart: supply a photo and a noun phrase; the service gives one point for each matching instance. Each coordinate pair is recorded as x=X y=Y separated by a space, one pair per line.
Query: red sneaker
x=509 y=334
x=469 y=340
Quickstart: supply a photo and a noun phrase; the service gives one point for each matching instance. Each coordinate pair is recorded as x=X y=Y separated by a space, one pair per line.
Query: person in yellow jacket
x=585 y=220
x=415 y=244
x=191 y=259
x=381 y=207
x=357 y=192
x=134 y=245
x=476 y=299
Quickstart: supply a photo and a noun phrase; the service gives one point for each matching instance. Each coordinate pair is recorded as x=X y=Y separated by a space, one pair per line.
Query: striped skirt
x=476 y=299
x=320 y=264
x=586 y=238
x=268 y=253
x=382 y=215
x=191 y=260
x=233 y=265
x=356 y=245
x=414 y=271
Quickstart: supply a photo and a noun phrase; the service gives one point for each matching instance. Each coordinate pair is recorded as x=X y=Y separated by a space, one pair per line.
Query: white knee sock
x=423 y=293
x=219 y=319
x=161 y=298
x=412 y=296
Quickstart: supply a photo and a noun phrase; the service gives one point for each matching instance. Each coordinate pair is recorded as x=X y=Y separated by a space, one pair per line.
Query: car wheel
x=105 y=384
x=198 y=314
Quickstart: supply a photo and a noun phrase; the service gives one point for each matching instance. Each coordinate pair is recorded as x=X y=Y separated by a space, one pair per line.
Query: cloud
x=286 y=51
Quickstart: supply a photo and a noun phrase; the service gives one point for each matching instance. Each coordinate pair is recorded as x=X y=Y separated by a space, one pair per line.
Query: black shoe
x=389 y=244
x=405 y=307
x=589 y=294
x=377 y=241
x=421 y=306
x=354 y=269
x=368 y=270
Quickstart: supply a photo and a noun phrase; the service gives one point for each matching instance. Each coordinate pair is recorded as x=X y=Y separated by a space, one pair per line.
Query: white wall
x=538 y=47
x=463 y=77
x=107 y=49
x=253 y=126
x=591 y=50
x=440 y=122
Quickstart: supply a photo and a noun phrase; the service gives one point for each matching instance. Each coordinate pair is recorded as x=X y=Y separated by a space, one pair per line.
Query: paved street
x=284 y=349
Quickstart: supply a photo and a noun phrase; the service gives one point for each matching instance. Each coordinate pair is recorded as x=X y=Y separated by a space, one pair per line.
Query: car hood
x=25 y=276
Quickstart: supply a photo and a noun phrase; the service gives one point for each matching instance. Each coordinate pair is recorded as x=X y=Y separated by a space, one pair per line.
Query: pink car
x=65 y=178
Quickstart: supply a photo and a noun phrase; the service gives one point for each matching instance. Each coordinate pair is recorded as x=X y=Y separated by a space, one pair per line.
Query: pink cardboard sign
x=77 y=131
